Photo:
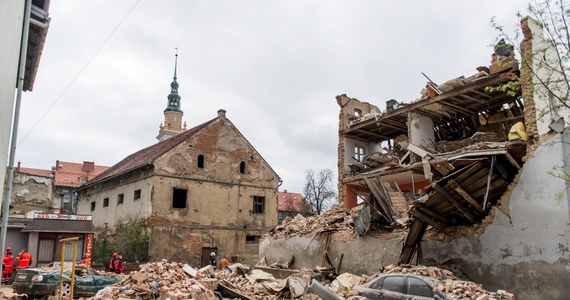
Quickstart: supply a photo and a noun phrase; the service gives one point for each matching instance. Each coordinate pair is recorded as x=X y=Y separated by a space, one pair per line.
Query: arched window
x=242 y=167
x=201 y=161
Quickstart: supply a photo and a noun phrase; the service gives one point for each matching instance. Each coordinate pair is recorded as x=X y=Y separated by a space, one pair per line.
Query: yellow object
x=518 y=132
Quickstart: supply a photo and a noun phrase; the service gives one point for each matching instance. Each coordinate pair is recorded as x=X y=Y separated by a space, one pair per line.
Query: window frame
x=258 y=205
x=179 y=192
x=93 y=205
x=120 y=198
x=137 y=195
x=201 y=161
x=242 y=167
x=106 y=202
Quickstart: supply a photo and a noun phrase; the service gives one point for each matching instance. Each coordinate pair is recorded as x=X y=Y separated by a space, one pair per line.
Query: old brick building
x=202 y=190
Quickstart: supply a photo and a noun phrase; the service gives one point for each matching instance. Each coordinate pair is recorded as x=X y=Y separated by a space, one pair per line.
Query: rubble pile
x=336 y=220
x=164 y=279
x=177 y=281
x=447 y=282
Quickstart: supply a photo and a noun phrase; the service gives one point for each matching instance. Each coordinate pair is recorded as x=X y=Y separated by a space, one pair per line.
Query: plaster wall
x=526 y=252
x=364 y=255
x=11 y=25
x=30 y=193
x=420 y=129
x=115 y=213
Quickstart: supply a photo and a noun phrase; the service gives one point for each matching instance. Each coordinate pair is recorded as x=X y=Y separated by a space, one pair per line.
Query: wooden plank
x=413 y=238
x=454 y=185
x=429 y=213
x=378 y=195
x=512 y=160
x=455 y=203
x=426 y=219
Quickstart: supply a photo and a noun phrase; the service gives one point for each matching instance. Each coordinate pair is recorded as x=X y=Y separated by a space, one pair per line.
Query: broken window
x=105 y=202
x=120 y=198
x=92 y=205
x=137 y=195
x=252 y=239
x=258 y=205
x=357 y=112
x=179 y=198
x=359 y=153
x=242 y=167
x=201 y=161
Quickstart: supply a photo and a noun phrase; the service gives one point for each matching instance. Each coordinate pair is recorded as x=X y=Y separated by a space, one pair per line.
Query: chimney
x=88 y=166
x=222 y=113
x=285 y=191
x=18 y=168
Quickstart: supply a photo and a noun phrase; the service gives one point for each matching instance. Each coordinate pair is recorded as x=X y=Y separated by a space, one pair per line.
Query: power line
x=80 y=71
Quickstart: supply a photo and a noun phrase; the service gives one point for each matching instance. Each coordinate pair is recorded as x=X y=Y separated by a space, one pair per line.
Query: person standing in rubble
x=224 y=262
x=23 y=260
x=119 y=266
x=85 y=261
x=112 y=262
x=7 y=265
x=213 y=260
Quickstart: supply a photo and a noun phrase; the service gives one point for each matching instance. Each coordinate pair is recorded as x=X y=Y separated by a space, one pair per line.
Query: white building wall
x=11 y=25
x=546 y=98
x=420 y=129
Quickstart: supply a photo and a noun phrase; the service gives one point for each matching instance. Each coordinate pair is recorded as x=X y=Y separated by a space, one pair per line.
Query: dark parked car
x=39 y=283
x=399 y=287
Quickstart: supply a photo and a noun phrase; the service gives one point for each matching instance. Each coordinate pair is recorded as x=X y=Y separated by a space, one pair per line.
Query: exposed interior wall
x=420 y=129
x=30 y=193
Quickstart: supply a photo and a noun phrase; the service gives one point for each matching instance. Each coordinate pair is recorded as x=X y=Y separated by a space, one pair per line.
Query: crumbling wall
x=528 y=250
x=364 y=255
x=30 y=192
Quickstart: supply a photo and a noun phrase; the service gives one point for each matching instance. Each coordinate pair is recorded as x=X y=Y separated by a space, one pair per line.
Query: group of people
x=116 y=264
x=23 y=260
x=223 y=262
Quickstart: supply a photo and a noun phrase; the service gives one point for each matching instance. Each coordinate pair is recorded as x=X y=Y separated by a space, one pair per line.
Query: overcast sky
x=274 y=66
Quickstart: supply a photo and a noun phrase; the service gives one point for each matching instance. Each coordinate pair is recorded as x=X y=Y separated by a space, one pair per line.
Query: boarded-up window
x=179 y=198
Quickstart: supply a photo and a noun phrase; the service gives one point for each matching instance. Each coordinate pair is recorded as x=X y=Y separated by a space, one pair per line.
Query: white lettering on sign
x=63 y=217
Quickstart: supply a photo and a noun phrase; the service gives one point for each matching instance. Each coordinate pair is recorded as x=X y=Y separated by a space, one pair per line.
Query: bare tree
x=319 y=192
x=553 y=58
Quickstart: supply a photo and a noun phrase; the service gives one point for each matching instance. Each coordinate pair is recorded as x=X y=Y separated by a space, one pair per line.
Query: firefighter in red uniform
x=112 y=262
x=23 y=260
x=7 y=265
x=119 y=266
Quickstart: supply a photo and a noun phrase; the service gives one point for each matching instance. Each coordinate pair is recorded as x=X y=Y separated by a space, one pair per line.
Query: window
x=418 y=287
x=92 y=205
x=242 y=167
x=120 y=198
x=357 y=112
x=252 y=239
x=137 y=195
x=66 y=198
x=258 y=204
x=82 y=180
x=179 y=198
x=393 y=283
x=359 y=153
x=105 y=202
x=201 y=161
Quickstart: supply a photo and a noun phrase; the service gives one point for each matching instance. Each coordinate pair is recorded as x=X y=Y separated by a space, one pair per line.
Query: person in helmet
x=112 y=262
x=213 y=261
x=7 y=265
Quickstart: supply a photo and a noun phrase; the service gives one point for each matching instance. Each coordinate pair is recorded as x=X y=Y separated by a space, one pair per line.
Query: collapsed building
x=466 y=176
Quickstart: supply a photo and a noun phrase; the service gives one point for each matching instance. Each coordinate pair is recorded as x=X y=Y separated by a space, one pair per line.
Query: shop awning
x=46 y=225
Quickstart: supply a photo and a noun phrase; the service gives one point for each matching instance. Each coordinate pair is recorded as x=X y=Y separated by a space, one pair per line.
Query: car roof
x=426 y=279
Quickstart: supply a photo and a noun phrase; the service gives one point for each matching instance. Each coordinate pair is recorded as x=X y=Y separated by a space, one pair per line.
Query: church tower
x=172 y=114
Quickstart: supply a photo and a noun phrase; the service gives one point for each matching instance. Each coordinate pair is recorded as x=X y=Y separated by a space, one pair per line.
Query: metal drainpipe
x=15 y=121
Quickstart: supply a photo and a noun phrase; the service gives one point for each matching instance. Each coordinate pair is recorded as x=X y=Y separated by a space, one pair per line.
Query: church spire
x=172 y=114
x=173 y=97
